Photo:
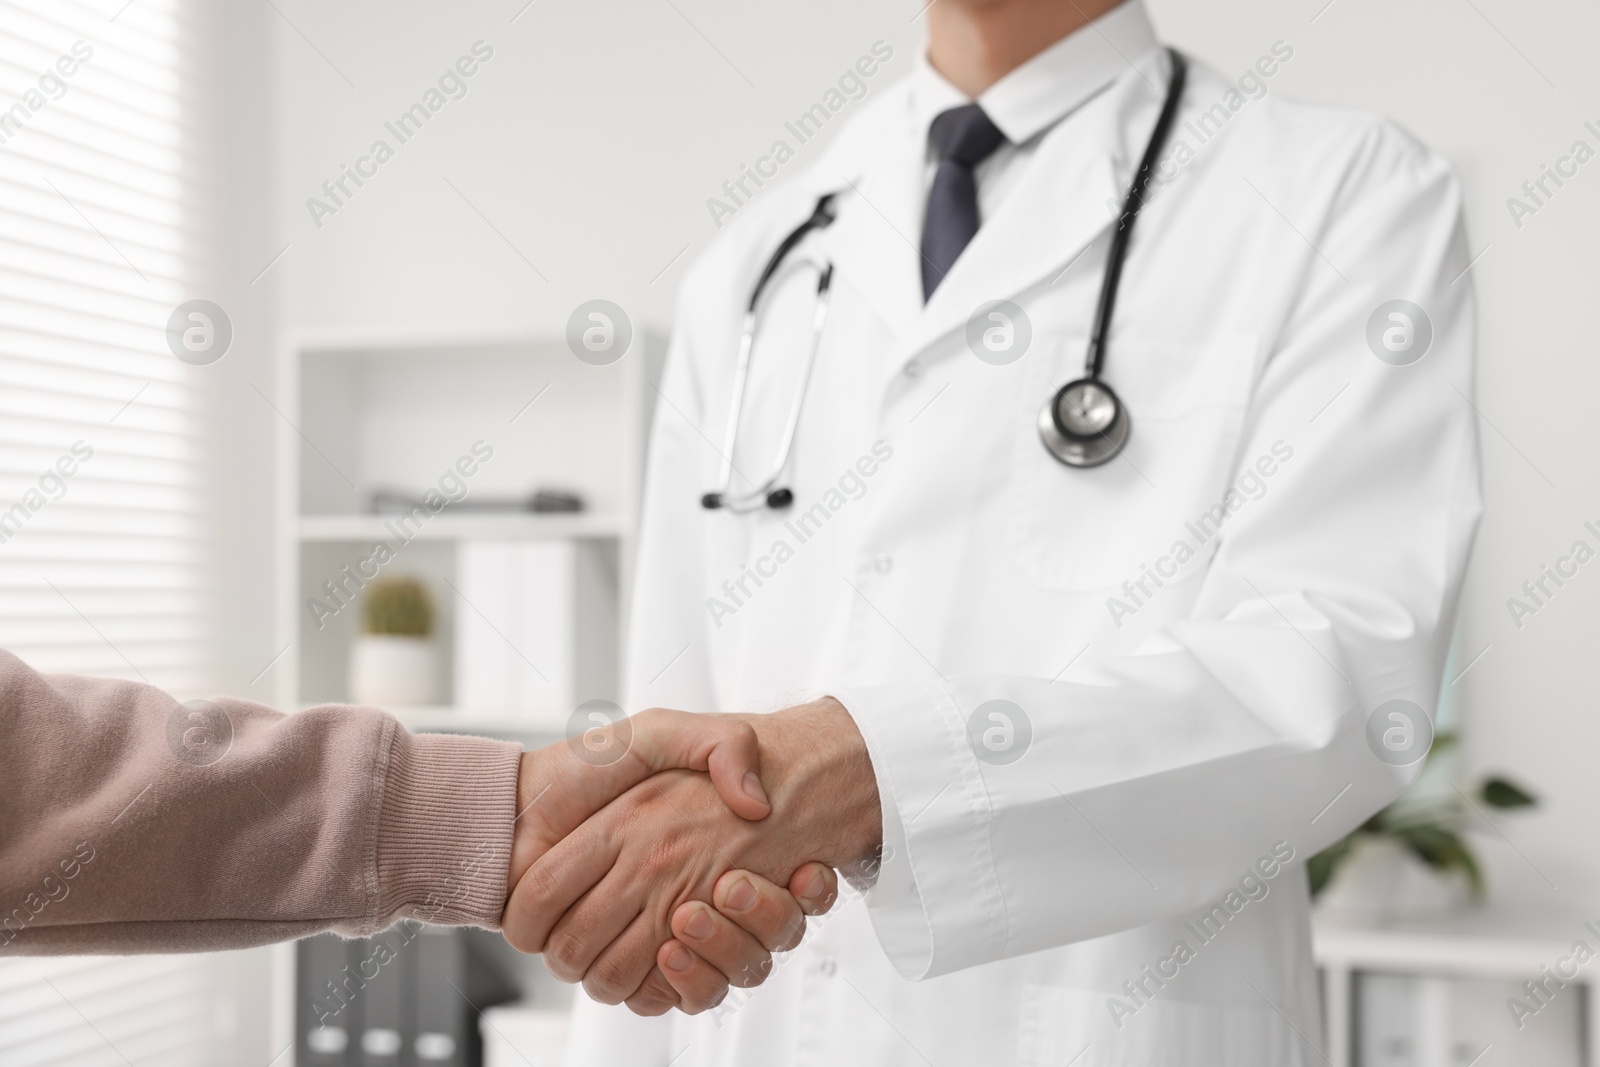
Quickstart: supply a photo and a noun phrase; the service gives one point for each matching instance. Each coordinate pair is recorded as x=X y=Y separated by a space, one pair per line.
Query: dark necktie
x=962 y=138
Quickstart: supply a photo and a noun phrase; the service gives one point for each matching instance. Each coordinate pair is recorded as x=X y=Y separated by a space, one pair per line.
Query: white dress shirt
x=1029 y=101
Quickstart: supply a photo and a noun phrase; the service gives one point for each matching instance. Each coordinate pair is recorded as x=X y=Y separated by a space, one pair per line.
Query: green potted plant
x=1413 y=858
x=392 y=661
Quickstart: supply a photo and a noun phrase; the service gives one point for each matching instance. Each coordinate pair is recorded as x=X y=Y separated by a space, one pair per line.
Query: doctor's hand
x=732 y=943
x=605 y=904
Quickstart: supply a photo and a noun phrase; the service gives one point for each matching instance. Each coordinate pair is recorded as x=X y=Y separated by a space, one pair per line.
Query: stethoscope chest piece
x=1084 y=424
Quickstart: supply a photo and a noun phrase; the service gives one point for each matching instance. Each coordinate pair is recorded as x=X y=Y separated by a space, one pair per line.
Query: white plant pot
x=387 y=670
x=1381 y=881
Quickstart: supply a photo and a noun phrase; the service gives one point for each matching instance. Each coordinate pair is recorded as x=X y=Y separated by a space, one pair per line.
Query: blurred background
x=260 y=366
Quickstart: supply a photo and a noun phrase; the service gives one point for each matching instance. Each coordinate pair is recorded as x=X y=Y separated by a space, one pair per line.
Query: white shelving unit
x=367 y=411
x=364 y=413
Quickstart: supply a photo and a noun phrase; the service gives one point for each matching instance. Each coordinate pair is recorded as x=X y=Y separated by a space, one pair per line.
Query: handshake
x=663 y=858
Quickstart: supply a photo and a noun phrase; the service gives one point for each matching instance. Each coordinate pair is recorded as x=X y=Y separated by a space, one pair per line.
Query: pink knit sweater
x=132 y=823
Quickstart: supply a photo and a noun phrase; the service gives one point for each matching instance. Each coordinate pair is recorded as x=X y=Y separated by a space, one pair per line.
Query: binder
x=455 y=983
x=408 y=997
x=326 y=1008
x=384 y=1030
x=515 y=637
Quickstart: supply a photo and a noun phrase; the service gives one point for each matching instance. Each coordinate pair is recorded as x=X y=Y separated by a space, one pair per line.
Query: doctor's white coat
x=1198 y=643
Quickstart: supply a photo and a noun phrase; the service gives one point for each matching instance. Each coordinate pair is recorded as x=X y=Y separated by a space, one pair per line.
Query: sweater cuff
x=444 y=831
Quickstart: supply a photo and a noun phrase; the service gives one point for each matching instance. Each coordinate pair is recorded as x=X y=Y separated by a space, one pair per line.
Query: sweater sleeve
x=130 y=822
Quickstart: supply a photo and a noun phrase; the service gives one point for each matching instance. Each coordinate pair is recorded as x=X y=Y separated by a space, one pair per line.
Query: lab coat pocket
x=1065 y=1027
x=1073 y=528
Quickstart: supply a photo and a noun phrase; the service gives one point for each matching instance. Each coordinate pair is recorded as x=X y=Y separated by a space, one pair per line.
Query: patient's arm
x=132 y=823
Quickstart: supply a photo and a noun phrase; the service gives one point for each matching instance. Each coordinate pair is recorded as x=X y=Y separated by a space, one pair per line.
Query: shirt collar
x=1052 y=84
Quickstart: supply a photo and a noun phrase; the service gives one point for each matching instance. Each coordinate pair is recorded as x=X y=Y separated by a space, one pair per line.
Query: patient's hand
x=603 y=904
x=557 y=788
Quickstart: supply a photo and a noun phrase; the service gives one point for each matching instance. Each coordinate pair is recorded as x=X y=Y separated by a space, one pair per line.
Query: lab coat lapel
x=875 y=242
x=1057 y=209
x=1061 y=204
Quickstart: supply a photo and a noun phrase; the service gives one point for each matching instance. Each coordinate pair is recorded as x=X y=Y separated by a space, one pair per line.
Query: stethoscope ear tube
x=1085 y=423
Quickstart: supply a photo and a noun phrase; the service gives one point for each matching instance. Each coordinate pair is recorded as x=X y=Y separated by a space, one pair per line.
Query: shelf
x=1477 y=940
x=385 y=344
x=530 y=722
x=482 y=526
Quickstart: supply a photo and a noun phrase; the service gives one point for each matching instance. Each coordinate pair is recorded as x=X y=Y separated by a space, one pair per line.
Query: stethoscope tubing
x=730 y=437
x=761 y=495
x=767 y=492
x=1094 y=358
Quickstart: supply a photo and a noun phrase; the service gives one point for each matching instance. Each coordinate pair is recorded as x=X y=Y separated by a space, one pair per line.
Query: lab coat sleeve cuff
x=935 y=902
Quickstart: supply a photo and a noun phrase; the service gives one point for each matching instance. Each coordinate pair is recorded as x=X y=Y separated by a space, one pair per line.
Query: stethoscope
x=1084 y=424
x=768 y=492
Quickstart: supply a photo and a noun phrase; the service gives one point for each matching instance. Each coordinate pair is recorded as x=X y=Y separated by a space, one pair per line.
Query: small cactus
x=398 y=606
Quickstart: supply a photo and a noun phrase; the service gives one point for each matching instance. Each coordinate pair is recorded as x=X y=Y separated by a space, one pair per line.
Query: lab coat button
x=828 y=966
x=913 y=368
x=883 y=563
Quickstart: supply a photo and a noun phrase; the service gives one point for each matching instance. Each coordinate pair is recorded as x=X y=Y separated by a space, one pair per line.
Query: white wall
x=594 y=136
x=227 y=88
x=590 y=141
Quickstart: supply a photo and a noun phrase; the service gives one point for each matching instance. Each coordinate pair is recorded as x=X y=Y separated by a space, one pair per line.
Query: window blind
x=86 y=1011
x=100 y=552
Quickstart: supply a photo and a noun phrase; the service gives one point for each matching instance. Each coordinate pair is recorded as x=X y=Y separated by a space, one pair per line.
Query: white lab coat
x=1182 y=744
